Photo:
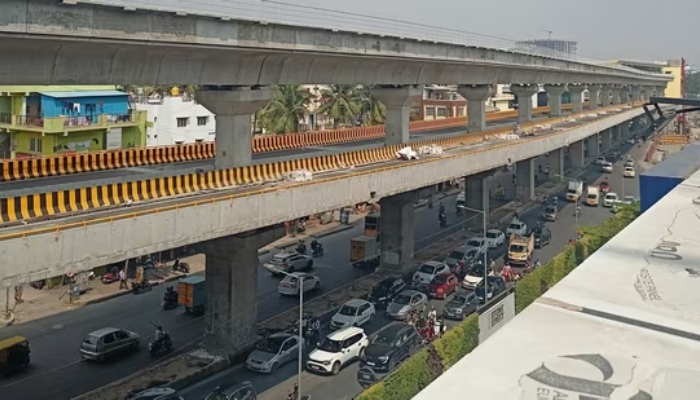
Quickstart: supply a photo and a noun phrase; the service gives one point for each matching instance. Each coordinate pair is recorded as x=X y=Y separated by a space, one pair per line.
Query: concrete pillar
x=615 y=134
x=232 y=287
x=525 y=179
x=397 y=232
x=476 y=191
x=578 y=158
x=234 y=107
x=605 y=95
x=524 y=93
x=556 y=163
x=576 y=91
x=624 y=130
x=593 y=96
x=397 y=100
x=660 y=91
x=615 y=95
x=624 y=94
x=635 y=92
x=554 y=93
x=593 y=146
x=606 y=140
x=476 y=96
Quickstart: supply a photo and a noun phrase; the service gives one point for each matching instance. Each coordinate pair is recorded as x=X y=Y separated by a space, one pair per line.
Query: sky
x=642 y=30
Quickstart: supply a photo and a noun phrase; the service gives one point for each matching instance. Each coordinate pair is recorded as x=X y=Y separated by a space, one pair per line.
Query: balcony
x=66 y=124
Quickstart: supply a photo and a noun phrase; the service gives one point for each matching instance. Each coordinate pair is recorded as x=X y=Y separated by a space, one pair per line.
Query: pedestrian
x=122 y=280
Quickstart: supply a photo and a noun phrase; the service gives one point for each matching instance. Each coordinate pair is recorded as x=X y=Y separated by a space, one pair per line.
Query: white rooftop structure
x=625 y=325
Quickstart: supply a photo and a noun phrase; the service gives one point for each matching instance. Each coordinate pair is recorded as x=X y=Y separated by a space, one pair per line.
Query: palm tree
x=373 y=111
x=341 y=103
x=287 y=108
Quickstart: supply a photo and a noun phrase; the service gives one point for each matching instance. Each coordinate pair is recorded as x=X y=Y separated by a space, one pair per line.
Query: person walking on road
x=122 y=280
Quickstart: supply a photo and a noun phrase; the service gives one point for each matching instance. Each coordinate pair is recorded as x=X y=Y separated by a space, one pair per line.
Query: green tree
x=341 y=103
x=287 y=108
x=373 y=111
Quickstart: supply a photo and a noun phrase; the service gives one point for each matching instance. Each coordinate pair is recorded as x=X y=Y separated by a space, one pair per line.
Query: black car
x=384 y=292
x=240 y=391
x=390 y=346
x=496 y=285
x=543 y=236
x=461 y=306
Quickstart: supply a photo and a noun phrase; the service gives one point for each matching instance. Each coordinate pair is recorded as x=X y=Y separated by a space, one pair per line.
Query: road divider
x=21 y=209
x=30 y=168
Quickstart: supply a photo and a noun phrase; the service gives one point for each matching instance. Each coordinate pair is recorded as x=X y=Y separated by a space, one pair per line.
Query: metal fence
x=272 y=11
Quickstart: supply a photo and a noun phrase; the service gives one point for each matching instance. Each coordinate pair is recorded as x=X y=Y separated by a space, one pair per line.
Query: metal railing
x=279 y=12
x=30 y=120
x=5 y=118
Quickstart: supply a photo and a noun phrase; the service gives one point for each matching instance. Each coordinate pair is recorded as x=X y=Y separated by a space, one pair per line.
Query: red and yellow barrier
x=43 y=205
x=11 y=170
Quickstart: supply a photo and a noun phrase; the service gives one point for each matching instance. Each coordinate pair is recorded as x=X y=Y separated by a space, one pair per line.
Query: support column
x=397 y=100
x=397 y=232
x=232 y=287
x=476 y=96
x=635 y=92
x=624 y=94
x=234 y=107
x=606 y=140
x=624 y=130
x=554 y=93
x=524 y=93
x=615 y=95
x=605 y=95
x=593 y=145
x=476 y=194
x=615 y=133
x=525 y=179
x=593 y=96
x=556 y=163
x=660 y=91
x=578 y=158
x=576 y=91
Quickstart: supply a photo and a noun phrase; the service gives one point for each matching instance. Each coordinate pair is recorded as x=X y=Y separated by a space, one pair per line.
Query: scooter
x=137 y=288
x=317 y=251
x=110 y=277
x=162 y=346
x=181 y=266
x=301 y=249
x=169 y=301
x=443 y=220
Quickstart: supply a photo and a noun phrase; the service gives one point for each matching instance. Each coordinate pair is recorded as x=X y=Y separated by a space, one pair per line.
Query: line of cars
x=610 y=199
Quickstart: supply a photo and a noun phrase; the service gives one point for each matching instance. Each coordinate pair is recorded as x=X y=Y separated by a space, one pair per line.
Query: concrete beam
x=556 y=163
x=578 y=156
x=523 y=94
x=397 y=101
x=554 y=93
x=397 y=232
x=234 y=107
x=576 y=91
x=476 y=96
x=525 y=179
x=593 y=96
x=52 y=248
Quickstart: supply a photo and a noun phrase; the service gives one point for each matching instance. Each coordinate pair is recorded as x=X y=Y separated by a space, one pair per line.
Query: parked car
x=107 y=342
x=406 y=302
x=610 y=199
x=290 y=285
x=288 y=261
x=496 y=285
x=475 y=274
x=517 y=228
x=461 y=306
x=478 y=243
x=442 y=286
x=543 y=236
x=236 y=391
x=390 y=346
x=355 y=312
x=495 y=238
x=338 y=349
x=273 y=352
x=385 y=291
x=429 y=270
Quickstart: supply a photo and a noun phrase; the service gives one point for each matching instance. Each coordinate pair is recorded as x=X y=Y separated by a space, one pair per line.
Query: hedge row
x=425 y=366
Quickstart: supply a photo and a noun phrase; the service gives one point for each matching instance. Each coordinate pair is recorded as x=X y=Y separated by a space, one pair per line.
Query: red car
x=604 y=187
x=442 y=286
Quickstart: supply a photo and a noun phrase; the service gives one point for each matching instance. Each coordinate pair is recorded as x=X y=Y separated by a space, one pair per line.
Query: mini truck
x=574 y=191
x=521 y=250
x=364 y=252
x=192 y=294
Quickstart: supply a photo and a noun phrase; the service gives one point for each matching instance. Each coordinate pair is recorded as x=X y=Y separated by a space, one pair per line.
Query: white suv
x=338 y=349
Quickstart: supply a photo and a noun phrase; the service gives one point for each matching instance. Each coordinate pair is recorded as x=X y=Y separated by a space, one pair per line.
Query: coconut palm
x=341 y=103
x=373 y=111
x=287 y=108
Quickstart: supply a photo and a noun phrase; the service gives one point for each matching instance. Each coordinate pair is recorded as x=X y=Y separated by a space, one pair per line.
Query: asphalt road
x=344 y=386
x=57 y=367
x=65 y=182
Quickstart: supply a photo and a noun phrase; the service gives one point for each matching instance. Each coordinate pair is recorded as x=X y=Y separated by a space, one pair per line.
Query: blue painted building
x=88 y=104
x=655 y=183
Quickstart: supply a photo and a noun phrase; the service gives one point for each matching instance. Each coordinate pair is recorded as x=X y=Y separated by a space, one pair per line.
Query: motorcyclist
x=315 y=329
x=579 y=210
x=441 y=208
x=537 y=264
x=159 y=334
x=442 y=218
x=316 y=246
x=432 y=314
x=301 y=247
x=170 y=294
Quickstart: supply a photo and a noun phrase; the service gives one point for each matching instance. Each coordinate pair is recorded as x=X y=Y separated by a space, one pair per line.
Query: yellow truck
x=520 y=249
x=364 y=252
x=592 y=196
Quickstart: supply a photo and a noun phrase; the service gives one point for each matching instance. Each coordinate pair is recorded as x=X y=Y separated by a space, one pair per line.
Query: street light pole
x=301 y=328
x=484 y=220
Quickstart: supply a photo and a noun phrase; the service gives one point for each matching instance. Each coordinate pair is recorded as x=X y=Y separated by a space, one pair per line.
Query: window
x=35 y=144
x=441 y=112
x=460 y=111
x=201 y=121
x=430 y=111
x=182 y=122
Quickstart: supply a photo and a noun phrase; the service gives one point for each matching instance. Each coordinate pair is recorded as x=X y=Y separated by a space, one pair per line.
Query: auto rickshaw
x=14 y=354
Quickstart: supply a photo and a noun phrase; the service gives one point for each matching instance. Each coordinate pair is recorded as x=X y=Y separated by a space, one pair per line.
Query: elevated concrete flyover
x=83 y=242
x=53 y=42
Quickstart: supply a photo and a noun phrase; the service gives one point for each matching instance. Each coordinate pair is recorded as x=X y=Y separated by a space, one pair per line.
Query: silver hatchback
x=106 y=342
x=405 y=303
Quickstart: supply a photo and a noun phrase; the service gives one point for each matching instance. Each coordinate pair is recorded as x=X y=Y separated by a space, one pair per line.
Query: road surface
x=344 y=386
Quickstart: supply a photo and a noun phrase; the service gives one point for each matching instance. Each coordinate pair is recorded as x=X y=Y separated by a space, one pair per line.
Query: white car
x=600 y=161
x=429 y=270
x=355 y=312
x=495 y=238
x=516 y=227
x=478 y=243
x=628 y=172
x=290 y=284
x=474 y=276
x=338 y=349
x=273 y=352
x=610 y=199
x=629 y=200
x=607 y=167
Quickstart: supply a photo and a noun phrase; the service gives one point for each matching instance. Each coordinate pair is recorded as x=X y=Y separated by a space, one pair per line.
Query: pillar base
x=593 y=96
x=578 y=159
x=525 y=179
x=556 y=163
x=476 y=96
x=576 y=92
x=397 y=101
x=554 y=93
x=397 y=232
x=524 y=95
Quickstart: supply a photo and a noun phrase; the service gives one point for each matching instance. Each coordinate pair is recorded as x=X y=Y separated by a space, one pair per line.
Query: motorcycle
x=144 y=286
x=443 y=220
x=162 y=346
x=110 y=277
x=169 y=300
x=181 y=266
x=317 y=251
x=301 y=249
